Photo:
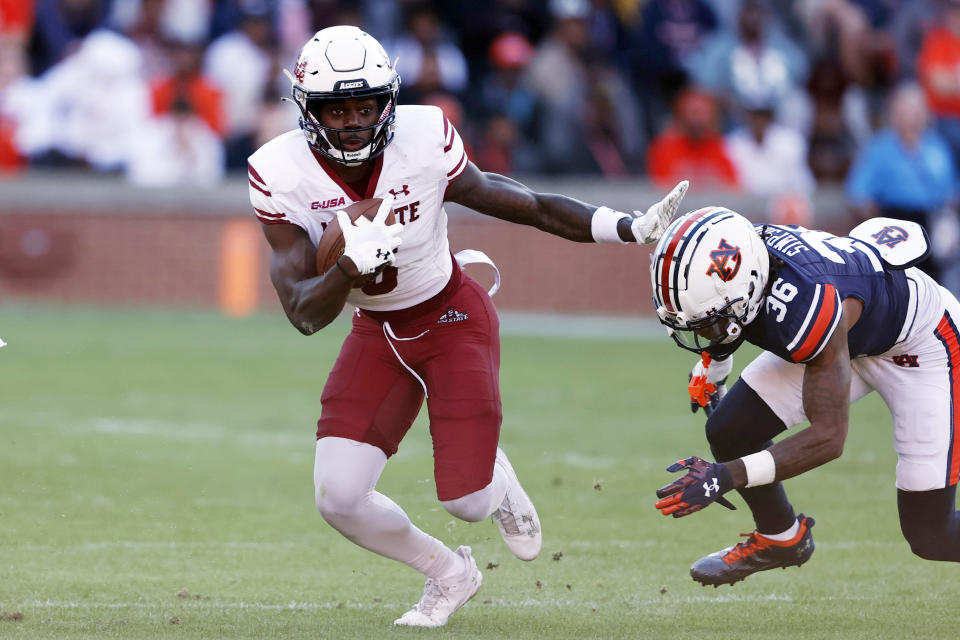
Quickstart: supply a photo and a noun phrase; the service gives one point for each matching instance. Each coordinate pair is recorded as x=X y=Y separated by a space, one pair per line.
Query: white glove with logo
x=708 y=382
x=370 y=245
x=650 y=226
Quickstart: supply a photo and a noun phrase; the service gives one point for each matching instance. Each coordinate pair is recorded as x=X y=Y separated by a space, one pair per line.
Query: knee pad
x=742 y=423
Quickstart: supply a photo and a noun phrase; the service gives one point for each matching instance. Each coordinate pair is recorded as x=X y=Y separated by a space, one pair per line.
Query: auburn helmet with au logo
x=709 y=272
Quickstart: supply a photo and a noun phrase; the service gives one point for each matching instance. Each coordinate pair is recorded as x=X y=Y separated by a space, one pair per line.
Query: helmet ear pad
x=711 y=265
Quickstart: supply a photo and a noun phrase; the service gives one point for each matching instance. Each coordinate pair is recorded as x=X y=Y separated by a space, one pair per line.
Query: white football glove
x=370 y=245
x=708 y=383
x=649 y=226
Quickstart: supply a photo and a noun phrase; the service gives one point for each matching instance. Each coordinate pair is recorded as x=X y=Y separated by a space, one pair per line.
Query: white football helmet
x=709 y=272
x=339 y=63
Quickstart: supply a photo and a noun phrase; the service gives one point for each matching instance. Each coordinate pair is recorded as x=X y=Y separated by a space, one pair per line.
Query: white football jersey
x=289 y=185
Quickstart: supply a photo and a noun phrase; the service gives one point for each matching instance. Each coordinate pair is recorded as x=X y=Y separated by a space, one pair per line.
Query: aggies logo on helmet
x=725 y=261
x=300 y=69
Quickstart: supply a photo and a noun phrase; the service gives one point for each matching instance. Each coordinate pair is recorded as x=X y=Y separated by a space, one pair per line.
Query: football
x=330 y=247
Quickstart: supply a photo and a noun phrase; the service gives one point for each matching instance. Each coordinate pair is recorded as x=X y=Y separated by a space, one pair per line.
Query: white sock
x=789 y=534
x=439 y=562
x=480 y=504
x=345 y=474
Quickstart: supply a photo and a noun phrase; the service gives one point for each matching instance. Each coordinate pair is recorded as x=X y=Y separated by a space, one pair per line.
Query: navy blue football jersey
x=812 y=272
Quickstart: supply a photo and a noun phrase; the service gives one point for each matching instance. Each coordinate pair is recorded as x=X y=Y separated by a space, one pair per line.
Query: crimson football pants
x=452 y=343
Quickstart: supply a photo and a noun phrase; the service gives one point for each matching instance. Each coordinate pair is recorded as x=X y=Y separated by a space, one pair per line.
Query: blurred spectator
x=613 y=134
x=503 y=90
x=502 y=149
x=146 y=30
x=243 y=63
x=831 y=147
x=59 y=28
x=753 y=61
x=938 y=69
x=176 y=148
x=608 y=34
x=771 y=160
x=910 y=25
x=691 y=147
x=508 y=108
x=558 y=78
x=186 y=82
x=582 y=101
x=16 y=18
x=427 y=60
x=907 y=170
x=16 y=21
x=477 y=24
x=857 y=36
x=86 y=109
x=659 y=51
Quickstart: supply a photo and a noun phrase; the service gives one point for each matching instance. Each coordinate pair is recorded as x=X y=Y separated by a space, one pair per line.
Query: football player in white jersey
x=423 y=329
x=837 y=317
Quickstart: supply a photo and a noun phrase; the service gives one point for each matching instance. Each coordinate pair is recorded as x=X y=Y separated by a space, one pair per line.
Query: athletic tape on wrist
x=603 y=225
x=761 y=468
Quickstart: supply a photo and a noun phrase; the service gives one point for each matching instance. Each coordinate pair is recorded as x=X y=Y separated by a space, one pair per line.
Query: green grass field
x=156 y=482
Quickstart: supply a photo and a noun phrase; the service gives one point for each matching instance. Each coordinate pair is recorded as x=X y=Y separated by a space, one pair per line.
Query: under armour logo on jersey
x=404 y=190
x=726 y=261
x=891 y=235
x=707 y=487
x=906 y=360
x=300 y=69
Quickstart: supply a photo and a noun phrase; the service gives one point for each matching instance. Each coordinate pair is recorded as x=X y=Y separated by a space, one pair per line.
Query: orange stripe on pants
x=947 y=333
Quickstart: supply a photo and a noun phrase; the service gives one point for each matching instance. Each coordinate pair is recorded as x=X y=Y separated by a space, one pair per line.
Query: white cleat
x=517 y=517
x=441 y=599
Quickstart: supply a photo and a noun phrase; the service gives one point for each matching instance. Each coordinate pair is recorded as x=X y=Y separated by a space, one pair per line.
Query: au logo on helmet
x=726 y=261
x=890 y=235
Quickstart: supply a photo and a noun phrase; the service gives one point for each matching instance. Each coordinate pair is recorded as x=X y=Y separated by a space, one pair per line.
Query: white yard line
x=526 y=603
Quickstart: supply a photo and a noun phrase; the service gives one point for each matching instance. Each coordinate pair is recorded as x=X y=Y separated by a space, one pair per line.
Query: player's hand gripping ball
x=331 y=244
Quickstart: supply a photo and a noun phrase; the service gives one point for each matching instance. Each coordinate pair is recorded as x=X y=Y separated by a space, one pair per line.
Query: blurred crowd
x=764 y=97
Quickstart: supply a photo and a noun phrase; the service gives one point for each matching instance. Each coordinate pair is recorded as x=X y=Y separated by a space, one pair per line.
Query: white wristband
x=761 y=469
x=603 y=225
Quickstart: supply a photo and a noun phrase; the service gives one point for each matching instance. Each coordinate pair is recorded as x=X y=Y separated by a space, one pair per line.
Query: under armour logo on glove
x=707 y=488
x=704 y=484
x=382 y=254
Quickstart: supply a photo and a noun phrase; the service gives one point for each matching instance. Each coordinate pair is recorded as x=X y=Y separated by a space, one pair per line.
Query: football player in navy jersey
x=837 y=317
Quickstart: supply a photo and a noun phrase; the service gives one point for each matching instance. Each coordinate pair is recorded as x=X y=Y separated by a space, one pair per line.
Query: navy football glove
x=704 y=484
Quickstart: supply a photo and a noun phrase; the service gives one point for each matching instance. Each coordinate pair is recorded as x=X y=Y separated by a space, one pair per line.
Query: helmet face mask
x=708 y=273
x=339 y=64
x=719 y=333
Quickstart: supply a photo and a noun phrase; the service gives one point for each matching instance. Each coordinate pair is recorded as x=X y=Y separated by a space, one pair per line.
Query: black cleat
x=757 y=553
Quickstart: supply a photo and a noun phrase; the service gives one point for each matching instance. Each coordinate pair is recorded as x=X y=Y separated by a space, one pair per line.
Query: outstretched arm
x=500 y=197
